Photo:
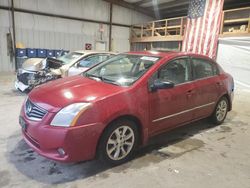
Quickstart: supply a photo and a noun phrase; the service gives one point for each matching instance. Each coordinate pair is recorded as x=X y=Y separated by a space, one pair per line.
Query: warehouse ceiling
x=169 y=8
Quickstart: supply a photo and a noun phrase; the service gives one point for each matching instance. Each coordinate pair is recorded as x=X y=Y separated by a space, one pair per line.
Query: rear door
x=172 y=107
x=207 y=84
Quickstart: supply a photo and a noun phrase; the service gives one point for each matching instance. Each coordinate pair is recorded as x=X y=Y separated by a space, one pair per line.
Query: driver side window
x=177 y=71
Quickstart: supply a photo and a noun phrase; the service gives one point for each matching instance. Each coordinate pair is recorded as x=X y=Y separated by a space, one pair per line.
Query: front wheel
x=220 y=111
x=118 y=142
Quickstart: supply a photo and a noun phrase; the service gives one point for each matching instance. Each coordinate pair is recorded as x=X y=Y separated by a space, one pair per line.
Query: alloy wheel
x=221 y=110
x=120 y=143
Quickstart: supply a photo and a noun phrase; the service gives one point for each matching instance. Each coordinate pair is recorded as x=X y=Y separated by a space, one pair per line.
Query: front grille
x=33 y=111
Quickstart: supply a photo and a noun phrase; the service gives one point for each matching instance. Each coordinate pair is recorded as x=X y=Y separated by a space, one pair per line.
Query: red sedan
x=117 y=105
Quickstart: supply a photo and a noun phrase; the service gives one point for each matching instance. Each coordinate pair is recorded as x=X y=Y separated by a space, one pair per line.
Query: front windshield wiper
x=104 y=79
x=94 y=76
x=101 y=78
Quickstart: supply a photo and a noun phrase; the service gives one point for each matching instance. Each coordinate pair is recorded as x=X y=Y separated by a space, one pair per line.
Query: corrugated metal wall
x=5 y=63
x=121 y=35
x=35 y=31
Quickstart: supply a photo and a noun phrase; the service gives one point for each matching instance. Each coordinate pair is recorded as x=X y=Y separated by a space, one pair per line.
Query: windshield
x=123 y=69
x=93 y=60
x=70 y=57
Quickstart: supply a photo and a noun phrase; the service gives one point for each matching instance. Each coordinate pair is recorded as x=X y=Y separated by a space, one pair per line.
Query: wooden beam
x=237 y=9
x=142 y=31
x=249 y=25
x=237 y=20
x=181 y=32
x=153 y=29
x=158 y=38
x=166 y=25
x=222 y=23
x=234 y=35
x=131 y=6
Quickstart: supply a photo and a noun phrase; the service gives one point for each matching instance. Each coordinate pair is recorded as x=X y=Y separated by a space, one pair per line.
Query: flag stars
x=196 y=8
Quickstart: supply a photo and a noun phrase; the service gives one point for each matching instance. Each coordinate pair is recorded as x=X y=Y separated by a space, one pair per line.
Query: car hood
x=57 y=94
x=33 y=64
x=38 y=64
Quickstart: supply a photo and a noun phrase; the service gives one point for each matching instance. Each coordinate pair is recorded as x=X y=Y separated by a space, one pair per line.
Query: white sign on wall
x=100 y=46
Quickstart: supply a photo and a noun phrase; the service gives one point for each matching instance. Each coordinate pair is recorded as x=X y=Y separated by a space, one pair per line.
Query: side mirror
x=160 y=84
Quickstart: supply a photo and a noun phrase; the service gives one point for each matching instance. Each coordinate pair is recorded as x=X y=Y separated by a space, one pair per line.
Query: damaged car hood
x=38 y=64
x=33 y=64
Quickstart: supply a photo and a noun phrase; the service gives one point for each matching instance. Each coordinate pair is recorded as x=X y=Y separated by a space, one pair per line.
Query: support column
x=110 y=26
x=14 y=32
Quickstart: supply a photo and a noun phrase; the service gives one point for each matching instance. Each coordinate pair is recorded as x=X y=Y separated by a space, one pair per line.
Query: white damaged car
x=36 y=71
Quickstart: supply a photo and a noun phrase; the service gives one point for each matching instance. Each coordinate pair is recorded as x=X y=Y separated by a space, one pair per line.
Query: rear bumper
x=79 y=143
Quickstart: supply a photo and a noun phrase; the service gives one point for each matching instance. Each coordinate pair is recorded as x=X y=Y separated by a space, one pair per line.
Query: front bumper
x=79 y=143
x=20 y=86
x=23 y=79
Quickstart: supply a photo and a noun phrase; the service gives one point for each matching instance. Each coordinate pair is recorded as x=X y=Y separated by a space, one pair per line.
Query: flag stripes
x=201 y=33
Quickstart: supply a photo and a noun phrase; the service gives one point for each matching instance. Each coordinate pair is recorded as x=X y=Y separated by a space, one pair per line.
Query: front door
x=172 y=107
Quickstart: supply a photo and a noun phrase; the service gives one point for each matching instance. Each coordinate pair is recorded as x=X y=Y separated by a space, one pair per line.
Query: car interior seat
x=199 y=70
x=175 y=72
x=143 y=67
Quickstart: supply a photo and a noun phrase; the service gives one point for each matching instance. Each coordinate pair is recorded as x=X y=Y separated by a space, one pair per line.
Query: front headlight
x=68 y=116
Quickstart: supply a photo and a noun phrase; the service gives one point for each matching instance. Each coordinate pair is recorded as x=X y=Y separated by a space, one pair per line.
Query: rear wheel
x=220 y=111
x=118 y=142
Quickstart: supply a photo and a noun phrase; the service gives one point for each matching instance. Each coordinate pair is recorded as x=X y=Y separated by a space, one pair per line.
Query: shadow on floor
x=14 y=93
x=43 y=170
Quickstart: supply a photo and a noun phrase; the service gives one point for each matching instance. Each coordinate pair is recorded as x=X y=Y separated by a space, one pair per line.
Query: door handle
x=219 y=83
x=190 y=93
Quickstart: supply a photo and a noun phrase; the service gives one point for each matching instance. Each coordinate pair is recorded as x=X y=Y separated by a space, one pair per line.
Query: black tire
x=109 y=134
x=216 y=119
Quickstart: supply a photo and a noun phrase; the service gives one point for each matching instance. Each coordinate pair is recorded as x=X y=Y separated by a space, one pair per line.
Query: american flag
x=203 y=25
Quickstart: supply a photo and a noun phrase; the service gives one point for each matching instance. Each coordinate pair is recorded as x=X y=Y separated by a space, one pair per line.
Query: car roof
x=172 y=54
x=158 y=53
x=153 y=53
x=93 y=52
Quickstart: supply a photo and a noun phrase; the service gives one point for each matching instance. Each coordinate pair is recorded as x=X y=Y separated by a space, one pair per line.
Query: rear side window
x=203 y=68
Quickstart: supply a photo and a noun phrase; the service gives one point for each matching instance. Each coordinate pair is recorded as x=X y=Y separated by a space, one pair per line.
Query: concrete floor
x=197 y=155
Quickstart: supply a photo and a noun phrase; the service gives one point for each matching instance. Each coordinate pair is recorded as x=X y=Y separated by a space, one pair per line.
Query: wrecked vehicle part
x=33 y=64
x=53 y=63
x=27 y=80
x=36 y=71
x=38 y=64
